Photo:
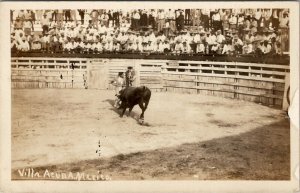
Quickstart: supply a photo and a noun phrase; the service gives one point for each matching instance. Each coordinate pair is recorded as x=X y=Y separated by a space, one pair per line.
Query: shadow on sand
x=134 y=115
x=260 y=154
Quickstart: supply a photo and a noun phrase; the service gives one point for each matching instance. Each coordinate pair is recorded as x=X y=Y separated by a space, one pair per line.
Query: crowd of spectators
x=162 y=31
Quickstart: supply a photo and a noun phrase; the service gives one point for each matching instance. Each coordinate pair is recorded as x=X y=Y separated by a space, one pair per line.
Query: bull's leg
x=130 y=109
x=143 y=107
x=124 y=109
x=141 y=104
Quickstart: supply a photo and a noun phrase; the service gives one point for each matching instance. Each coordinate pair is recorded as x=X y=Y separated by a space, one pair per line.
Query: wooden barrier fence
x=48 y=73
x=262 y=83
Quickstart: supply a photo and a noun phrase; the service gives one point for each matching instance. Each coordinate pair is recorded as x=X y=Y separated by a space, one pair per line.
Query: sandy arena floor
x=184 y=136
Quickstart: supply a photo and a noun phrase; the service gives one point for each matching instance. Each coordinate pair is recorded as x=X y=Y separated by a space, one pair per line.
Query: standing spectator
x=284 y=30
x=258 y=18
x=135 y=20
x=187 y=16
x=205 y=19
x=104 y=19
x=81 y=13
x=11 y=16
x=216 y=21
x=27 y=27
x=88 y=19
x=284 y=20
x=39 y=15
x=172 y=23
x=195 y=16
x=240 y=23
x=160 y=20
x=21 y=15
x=67 y=15
x=130 y=76
x=60 y=18
x=225 y=19
x=253 y=25
x=268 y=19
x=29 y=18
x=54 y=15
x=180 y=22
x=110 y=18
x=73 y=15
x=152 y=19
x=45 y=24
x=95 y=18
x=275 y=19
x=116 y=18
x=144 y=19
x=18 y=24
x=233 y=22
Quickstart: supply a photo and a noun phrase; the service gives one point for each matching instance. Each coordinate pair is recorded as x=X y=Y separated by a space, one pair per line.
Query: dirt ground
x=185 y=137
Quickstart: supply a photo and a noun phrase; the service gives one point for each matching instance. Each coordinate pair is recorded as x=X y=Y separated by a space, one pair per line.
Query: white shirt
x=23 y=46
x=220 y=38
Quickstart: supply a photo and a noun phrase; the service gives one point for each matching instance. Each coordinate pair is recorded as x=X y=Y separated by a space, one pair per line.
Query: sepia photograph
x=158 y=93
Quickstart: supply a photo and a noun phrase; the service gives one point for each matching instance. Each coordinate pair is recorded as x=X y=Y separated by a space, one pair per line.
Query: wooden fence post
x=285 y=102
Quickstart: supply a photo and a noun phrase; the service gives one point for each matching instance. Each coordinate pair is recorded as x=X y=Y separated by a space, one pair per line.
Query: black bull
x=132 y=96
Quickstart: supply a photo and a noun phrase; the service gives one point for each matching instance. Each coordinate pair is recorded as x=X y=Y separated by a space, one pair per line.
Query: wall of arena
x=257 y=82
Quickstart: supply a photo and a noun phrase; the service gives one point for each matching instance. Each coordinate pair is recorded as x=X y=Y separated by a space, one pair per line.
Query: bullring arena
x=219 y=80
x=205 y=120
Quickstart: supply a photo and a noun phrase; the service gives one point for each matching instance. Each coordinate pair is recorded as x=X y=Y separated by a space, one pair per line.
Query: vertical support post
x=137 y=68
x=285 y=104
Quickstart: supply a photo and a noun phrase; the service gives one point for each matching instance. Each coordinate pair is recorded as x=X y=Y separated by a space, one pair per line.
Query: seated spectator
x=278 y=48
x=166 y=46
x=186 y=49
x=215 y=47
x=24 y=45
x=45 y=42
x=36 y=44
x=227 y=48
x=267 y=47
x=220 y=38
x=14 y=45
x=211 y=40
x=248 y=47
x=158 y=47
x=178 y=47
x=132 y=47
x=98 y=47
x=237 y=44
